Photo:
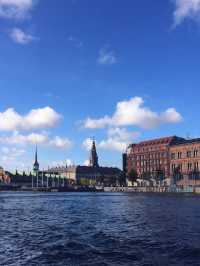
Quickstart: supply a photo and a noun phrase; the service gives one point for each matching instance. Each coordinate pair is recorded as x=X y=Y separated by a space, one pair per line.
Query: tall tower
x=93 y=156
x=36 y=165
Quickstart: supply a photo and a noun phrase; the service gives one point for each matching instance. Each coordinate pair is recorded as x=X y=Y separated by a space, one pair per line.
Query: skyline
x=113 y=70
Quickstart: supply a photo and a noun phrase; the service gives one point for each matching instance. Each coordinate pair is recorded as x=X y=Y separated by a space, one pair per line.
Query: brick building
x=4 y=177
x=173 y=158
x=151 y=159
x=185 y=162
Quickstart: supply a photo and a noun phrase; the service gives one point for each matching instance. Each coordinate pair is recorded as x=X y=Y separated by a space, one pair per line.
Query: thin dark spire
x=36 y=164
x=36 y=154
x=93 y=156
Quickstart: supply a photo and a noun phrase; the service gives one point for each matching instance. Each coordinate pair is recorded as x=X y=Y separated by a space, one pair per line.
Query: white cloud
x=134 y=113
x=20 y=37
x=117 y=140
x=20 y=139
x=39 y=138
x=61 y=143
x=17 y=9
x=186 y=9
x=40 y=118
x=87 y=144
x=10 y=155
x=106 y=57
x=113 y=144
x=86 y=163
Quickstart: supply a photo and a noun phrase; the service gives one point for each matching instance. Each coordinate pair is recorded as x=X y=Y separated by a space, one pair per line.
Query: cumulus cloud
x=41 y=118
x=106 y=57
x=134 y=113
x=11 y=155
x=20 y=37
x=40 y=138
x=17 y=9
x=21 y=139
x=87 y=144
x=61 y=143
x=86 y=163
x=186 y=9
x=12 y=152
x=117 y=140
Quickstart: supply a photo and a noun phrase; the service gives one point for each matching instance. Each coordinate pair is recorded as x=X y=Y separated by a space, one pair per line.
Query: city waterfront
x=99 y=229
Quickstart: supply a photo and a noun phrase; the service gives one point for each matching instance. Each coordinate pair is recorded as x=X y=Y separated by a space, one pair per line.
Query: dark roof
x=95 y=170
x=164 y=140
x=185 y=141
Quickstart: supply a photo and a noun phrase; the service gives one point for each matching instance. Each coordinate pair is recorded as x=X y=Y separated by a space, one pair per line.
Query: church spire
x=36 y=165
x=36 y=155
x=94 y=156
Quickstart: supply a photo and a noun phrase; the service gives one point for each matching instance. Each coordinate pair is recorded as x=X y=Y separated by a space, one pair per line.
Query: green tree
x=132 y=175
x=122 y=179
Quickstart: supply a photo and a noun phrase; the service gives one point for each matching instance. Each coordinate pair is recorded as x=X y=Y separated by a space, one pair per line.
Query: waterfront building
x=80 y=175
x=93 y=174
x=164 y=161
x=150 y=158
x=185 y=162
x=4 y=177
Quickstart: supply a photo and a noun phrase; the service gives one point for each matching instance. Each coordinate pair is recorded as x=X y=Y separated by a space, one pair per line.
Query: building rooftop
x=165 y=140
x=101 y=170
x=186 y=141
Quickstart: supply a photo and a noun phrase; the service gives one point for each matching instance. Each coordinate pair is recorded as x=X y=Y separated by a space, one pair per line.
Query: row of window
x=190 y=166
x=151 y=170
x=147 y=149
x=151 y=156
x=151 y=162
x=180 y=155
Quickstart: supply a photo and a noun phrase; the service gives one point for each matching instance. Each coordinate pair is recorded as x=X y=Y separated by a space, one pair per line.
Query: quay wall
x=195 y=190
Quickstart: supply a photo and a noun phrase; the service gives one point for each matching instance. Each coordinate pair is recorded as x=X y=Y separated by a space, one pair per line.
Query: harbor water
x=99 y=229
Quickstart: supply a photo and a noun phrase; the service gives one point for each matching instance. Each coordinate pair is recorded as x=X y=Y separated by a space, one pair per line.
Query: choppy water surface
x=99 y=229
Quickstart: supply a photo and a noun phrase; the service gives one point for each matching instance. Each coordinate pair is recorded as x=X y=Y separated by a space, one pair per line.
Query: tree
x=146 y=175
x=133 y=176
x=122 y=179
x=160 y=175
x=177 y=174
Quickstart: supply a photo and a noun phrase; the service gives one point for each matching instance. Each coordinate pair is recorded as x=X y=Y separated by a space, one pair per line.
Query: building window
x=179 y=155
x=173 y=156
x=195 y=153
x=173 y=167
x=189 y=153
x=189 y=166
x=196 y=166
x=180 y=166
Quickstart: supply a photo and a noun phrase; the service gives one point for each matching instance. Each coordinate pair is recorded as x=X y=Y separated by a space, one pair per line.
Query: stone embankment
x=172 y=189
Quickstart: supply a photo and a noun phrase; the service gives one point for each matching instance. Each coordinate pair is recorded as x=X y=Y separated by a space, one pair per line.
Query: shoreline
x=136 y=190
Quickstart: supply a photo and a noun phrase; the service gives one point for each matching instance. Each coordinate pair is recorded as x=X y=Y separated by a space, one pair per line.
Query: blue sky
x=121 y=71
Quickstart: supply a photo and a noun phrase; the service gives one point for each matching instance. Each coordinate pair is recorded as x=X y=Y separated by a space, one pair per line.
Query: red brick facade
x=152 y=158
x=185 y=162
